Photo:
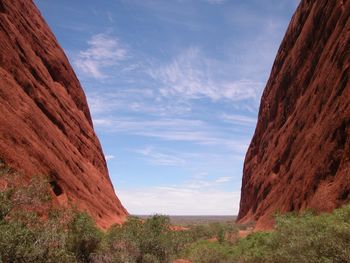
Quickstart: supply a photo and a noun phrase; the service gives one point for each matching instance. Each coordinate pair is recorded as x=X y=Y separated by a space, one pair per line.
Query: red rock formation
x=299 y=155
x=45 y=123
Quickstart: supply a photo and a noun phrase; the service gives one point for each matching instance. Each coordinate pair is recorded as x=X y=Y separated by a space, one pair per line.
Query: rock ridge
x=299 y=156
x=46 y=127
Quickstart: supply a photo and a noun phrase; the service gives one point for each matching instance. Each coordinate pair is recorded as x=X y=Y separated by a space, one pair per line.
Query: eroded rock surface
x=299 y=155
x=45 y=123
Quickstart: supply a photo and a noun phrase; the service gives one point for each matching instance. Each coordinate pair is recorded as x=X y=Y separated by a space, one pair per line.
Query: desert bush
x=143 y=241
x=149 y=258
x=204 y=251
x=199 y=232
x=310 y=238
x=301 y=238
x=84 y=238
x=156 y=239
x=256 y=247
x=221 y=231
x=6 y=203
x=31 y=230
x=122 y=243
x=18 y=243
x=25 y=237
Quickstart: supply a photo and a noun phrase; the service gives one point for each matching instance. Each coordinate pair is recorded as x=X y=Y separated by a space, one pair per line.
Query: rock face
x=45 y=123
x=299 y=155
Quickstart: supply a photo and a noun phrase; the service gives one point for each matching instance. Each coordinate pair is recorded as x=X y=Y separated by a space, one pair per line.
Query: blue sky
x=174 y=90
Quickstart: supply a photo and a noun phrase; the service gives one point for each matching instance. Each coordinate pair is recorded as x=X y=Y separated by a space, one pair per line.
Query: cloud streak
x=201 y=183
x=136 y=100
x=103 y=51
x=185 y=130
x=216 y=2
x=239 y=119
x=190 y=75
x=159 y=158
x=109 y=157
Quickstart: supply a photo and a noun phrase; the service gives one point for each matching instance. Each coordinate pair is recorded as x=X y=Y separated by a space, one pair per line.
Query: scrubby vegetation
x=32 y=230
x=302 y=238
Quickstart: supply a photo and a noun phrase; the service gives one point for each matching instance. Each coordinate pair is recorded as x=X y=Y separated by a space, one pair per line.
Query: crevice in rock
x=343 y=83
x=344 y=195
x=2 y=7
x=56 y=188
x=50 y=116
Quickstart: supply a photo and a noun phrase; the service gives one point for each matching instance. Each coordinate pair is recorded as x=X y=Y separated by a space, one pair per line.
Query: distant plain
x=196 y=219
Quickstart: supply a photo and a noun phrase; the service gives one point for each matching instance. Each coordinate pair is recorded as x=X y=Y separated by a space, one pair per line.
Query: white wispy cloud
x=159 y=158
x=201 y=183
x=180 y=201
x=102 y=122
x=109 y=157
x=239 y=119
x=186 y=130
x=224 y=179
x=190 y=75
x=162 y=124
x=141 y=100
x=103 y=51
x=215 y=1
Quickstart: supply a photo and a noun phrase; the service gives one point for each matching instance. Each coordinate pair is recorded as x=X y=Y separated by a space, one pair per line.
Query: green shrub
x=44 y=242
x=84 y=238
x=156 y=240
x=210 y=252
x=150 y=240
x=121 y=243
x=6 y=204
x=304 y=238
x=31 y=230
x=24 y=235
x=149 y=258
x=310 y=238
x=256 y=247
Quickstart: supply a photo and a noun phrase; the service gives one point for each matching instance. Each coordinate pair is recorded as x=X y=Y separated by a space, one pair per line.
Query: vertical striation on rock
x=299 y=155
x=45 y=123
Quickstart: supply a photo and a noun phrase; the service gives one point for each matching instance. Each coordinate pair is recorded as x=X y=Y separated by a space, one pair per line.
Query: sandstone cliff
x=45 y=123
x=299 y=155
